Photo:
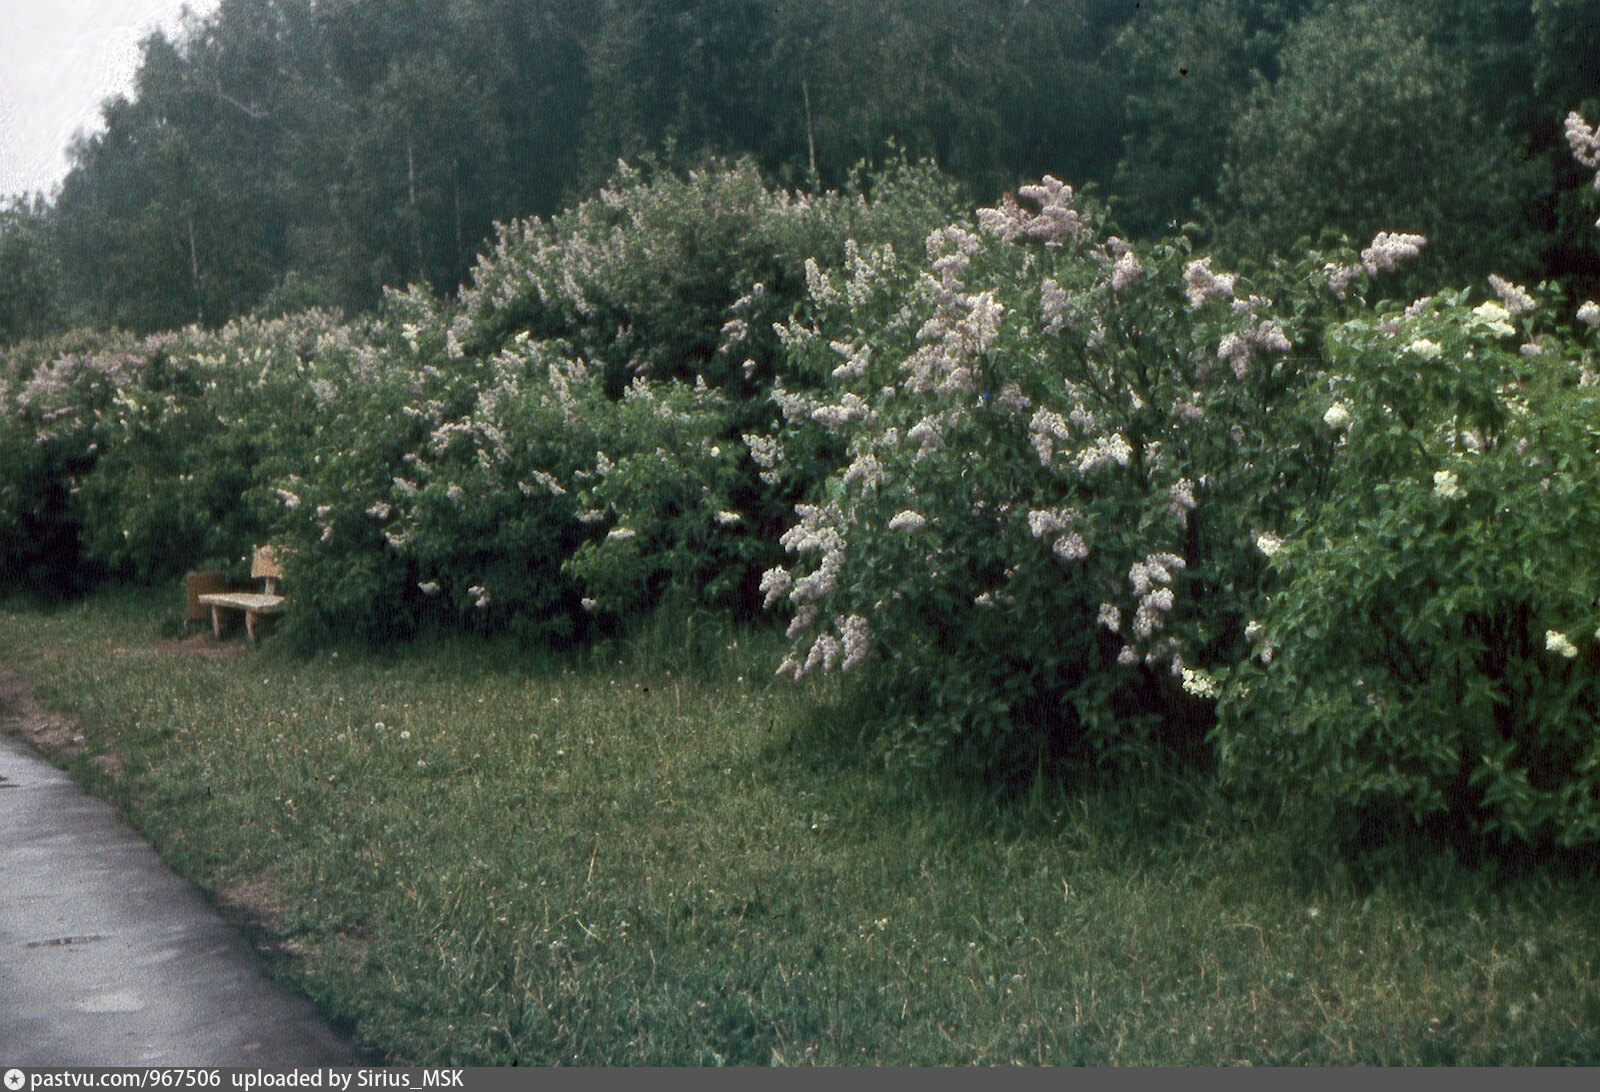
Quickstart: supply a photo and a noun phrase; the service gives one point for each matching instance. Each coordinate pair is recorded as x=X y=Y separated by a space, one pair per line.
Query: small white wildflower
x=907 y=521
x=729 y=519
x=588 y=604
x=428 y=587
x=1110 y=617
x=1445 y=484
x=1338 y=416
x=379 y=510
x=290 y=501
x=1555 y=641
x=1427 y=350
x=1127 y=657
x=620 y=534
x=1589 y=313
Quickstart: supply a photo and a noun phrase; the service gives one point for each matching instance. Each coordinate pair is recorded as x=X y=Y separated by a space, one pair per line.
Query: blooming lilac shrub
x=1430 y=651
x=663 y=294
x=50 y=395
x=1067 y=463
x=420 y=496
x=151 y=447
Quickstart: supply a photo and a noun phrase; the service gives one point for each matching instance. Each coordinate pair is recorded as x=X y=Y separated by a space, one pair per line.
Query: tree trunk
x=455 y=183
x=194 y=273
x=811 y=140
x=416 y=216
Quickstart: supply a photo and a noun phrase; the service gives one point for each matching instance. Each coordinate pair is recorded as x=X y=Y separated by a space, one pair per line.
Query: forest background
x=281 y=154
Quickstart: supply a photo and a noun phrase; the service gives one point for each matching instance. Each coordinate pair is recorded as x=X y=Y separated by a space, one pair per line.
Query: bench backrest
x=264 y=566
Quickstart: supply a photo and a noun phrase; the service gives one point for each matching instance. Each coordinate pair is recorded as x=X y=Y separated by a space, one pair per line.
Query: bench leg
x=250 y=625
x=216 y=623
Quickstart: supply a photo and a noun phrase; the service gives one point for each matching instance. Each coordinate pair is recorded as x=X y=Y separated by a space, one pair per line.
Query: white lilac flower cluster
x=865 y=469
x=480 y=597
x=1446 y=485
x=834 y=417
x=1104 y=451
x=817 y=532
x=1180 y=499
x=1126 y=268
x=960 y=332
x=1151 y=581
x=1589 y=313
x=1055 y=222
x=1052 y=306
x=908 y=522
x=1268 y=543
x=1559 y=643
x=1199 y=683
x=1388 y=249
x=543 y=482
x=1201 y=284
x=1237 y=345
x=1382 y=255
x=1050 y=523
x=1513 y=297
x=1584 y=141
x=1338 y=278
x=1256 y=634
x=1494 y=317
x=856 y=360
x=766 y=453
x=857 y=640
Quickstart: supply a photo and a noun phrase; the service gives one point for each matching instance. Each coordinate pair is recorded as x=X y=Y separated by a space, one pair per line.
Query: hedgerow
x=1053 y=503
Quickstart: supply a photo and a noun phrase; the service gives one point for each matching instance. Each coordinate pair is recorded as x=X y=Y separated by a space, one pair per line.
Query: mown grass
x=657 y=855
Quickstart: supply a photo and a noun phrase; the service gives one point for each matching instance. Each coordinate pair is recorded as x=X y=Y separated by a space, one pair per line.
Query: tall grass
x=651 y=852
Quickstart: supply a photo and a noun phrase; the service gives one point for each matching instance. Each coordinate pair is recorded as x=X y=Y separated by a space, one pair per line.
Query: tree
x=30 y=275
x=1369 y=128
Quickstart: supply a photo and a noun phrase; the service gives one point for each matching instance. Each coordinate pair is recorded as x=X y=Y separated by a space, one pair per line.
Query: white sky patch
x=59 y=59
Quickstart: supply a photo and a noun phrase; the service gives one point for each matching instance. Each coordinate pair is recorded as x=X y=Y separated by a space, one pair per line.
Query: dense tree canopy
x=282 y=153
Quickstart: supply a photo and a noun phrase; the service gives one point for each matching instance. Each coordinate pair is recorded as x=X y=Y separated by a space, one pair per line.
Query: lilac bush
x=1431 y=649
x=1067 y=461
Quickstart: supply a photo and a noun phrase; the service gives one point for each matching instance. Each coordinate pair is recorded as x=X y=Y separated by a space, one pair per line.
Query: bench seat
x=250 y=603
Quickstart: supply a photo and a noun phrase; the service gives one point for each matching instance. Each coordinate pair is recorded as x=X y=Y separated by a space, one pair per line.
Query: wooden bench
x=264 y=566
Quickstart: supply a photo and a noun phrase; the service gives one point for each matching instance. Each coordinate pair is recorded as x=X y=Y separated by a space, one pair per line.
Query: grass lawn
x=654 y=855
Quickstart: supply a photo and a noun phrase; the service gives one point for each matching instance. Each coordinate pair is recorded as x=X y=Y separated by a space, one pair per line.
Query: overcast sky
x=58 y=60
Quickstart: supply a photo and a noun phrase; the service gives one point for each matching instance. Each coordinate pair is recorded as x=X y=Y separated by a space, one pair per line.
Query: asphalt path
x=109 y=958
